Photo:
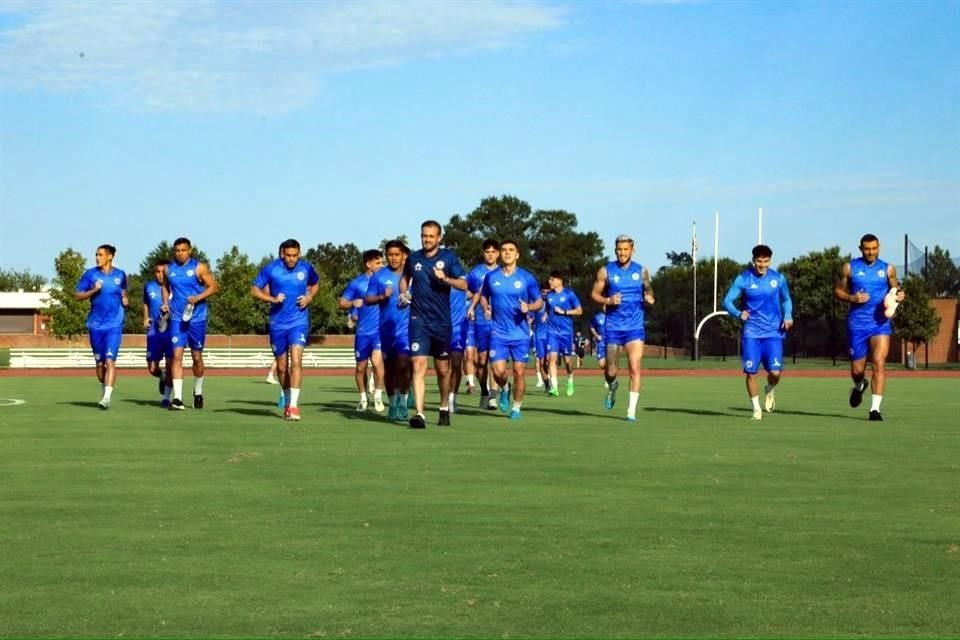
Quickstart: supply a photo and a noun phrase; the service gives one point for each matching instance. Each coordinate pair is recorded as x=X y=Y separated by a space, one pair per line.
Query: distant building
x=22 y=312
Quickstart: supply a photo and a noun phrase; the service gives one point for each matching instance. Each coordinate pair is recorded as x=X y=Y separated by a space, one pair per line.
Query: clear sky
x=235 y=122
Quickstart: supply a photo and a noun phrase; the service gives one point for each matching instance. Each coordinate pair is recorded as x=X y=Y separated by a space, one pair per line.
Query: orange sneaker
x=292 y=413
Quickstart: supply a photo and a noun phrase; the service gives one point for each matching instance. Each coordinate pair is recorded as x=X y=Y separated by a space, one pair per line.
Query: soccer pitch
x=694 y=521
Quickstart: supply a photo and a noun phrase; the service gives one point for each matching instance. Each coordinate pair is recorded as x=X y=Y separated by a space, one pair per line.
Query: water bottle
x=187 y=312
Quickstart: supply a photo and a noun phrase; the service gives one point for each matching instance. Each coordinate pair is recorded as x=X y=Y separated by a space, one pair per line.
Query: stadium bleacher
x=215 y=358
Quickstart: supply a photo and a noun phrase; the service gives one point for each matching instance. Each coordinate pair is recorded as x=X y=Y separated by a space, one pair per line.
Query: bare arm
x=206 y=278
x=598 y=286
x=841 y=290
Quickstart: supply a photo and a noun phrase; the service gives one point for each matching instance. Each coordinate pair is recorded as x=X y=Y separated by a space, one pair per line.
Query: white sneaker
x=492 y=403
x=890 y=303
x=769 y=401
x=362 y=405
x=757 y=415
x=271 y=379
x=378 y=404
x=539 y=384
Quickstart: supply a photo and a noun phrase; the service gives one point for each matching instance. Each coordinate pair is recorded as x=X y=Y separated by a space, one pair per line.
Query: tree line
x=548 y=240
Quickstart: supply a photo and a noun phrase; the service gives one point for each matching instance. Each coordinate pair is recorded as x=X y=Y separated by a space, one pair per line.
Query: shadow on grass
x=269 y=413
x=815 y=414
x=89 y=405
x=143 y=403
x=690 y=411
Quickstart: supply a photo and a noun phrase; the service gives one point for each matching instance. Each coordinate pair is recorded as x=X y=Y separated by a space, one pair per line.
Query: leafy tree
x=14 y=280
x=941 y=274
x=682 y=259
x=233 y=310
x=819 y=318
x=916 y=321
x=68 y=317
x=336 y=265
x=499 y=218
x=133 y=323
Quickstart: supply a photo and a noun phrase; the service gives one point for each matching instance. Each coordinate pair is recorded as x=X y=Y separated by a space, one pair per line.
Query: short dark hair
x=762 y=251
x=109 y=248
x=161 y=262
x=182 y=240
x=432 y=223
x=869 y=237
x=395 y=244
x=371 y=254
x=290 y=243
x=490 y=243
x=556 y=274
x=510 y=241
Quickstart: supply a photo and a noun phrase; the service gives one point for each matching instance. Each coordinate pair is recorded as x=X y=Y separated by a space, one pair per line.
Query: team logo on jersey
x=116 y=281
x=441 y=264
x=415 y=347
x=190 y=272
x=635 y=276
x=302 y=339
x=174 y=339
x=153 y=294
x=861 y=273
x=776 y=363
x=301 y=275
x=496 y=283
x=616 y=278
x=882 y=272
x=773 y=283
x=753 y=285
x=517 y=284
x=748 y=364
x=493 y=352
x=418 y=267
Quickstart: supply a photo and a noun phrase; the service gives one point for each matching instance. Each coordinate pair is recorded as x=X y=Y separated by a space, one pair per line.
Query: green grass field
x=694 y=521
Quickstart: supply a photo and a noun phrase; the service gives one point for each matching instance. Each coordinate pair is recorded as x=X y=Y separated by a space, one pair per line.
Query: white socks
x=875 y=401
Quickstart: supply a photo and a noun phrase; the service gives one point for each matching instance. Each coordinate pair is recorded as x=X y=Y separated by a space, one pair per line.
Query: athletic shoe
x=293 y=414
x=378 y=404
x=444 y=420
x=282 y=400
x=402 y=413
x=492 y=403
x=272 y=379
x=757 y=415
x=286 y=413
x=856 y=394
x=554 y=393
x=875 y=416
x=539 y=384
x=105 y=404
x=411 y=401
x=631 y=418
x=165 y=402
x=569 y=388
x=769 y=401
x=453 y=406
x=890 y=303
x=392 y=412
x=484 y=399
x=611 y=398
x=163 y=322
x=187 y=312
x=504 y=403
x=362 y=405
x=515 y=414
x=198 y=401
x=470 y=388
x=176 y=405
x=418 y=422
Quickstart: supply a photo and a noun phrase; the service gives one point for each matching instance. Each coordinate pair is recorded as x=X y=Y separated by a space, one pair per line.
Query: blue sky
x=249 y=122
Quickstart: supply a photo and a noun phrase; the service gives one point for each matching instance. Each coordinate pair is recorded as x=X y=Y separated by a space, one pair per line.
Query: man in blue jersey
x=384 y=291
x=289 y=284
x=106 y=288
x=624 y=287
x=597 y=325
x=157 y=324
x=541 y=333
x=189 y=284
x=562 y=307
x=478 y=336
x=864 y=283
x=367 y=338
x=428 y=276
x=459 y=328
x=508 y=294
x=767 y=314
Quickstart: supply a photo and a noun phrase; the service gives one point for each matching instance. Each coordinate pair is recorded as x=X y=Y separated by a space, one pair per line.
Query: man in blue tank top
x=428 y=276
x=624 y=287
x=189 y=284
x=157 y=324
x=767 y=314
x=597 y=325
x=864 y=283
x=562 y=305
x=384 y=291
x=106 y=288
x=508 y=294
x=289 y=284
x=366 y=342
x=478 y=334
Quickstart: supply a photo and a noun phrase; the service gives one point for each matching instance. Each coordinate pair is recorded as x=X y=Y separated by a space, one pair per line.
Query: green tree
x=14 y=280
x=233 y=310
x=68 y=317
x=916 y=321
x=941 y=274
x=819 y=318
x=336 y=265
x=133 y=323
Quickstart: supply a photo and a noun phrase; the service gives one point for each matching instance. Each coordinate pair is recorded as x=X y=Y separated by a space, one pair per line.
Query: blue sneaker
x=611 y=398
x=403 y=414
x=505 y=399
x=515 y=414
x=282 y=402
x=392 y=412
x=631 y=418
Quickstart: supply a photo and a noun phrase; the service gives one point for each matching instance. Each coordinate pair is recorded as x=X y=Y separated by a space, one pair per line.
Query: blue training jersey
x=874 y=280
x=766 y=298
x=106 y=307
x=505 y=293
x=431 y=297
x=292 y=283
x=184 y=282
x=458 y=307
x=368 y=317
x=597 y=323
x=153 y=298
x=627 y=281
x=566 y=299
x=475 y=284
x=394 y=319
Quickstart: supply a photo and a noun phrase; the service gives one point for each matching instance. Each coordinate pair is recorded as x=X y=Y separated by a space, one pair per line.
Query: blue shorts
x=540 y=346
x=516 y=350
x=365 y=345
x=479 y=337
x=184 y=334
x=425 y=341
x=458 y=337
x=768 y=351
x=281 y=340
x=859 y=339
x=561 y=344
x=105 y=343
x=615 y=337
x=158 y=347
x=394 y=344
x=601 y=349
